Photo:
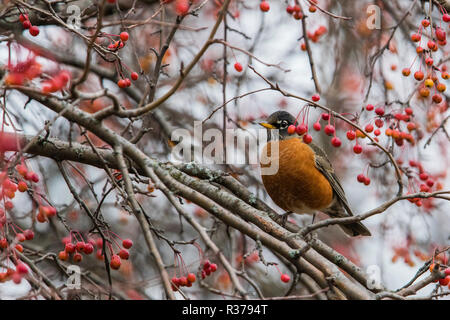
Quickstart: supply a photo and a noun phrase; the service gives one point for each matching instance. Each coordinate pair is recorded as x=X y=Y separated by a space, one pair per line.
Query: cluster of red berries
x=445 y=281
x=9 y=187
x=431 y=80
x=295 y=11
x=208 y=268
x=22 y=236
x=363 y=179
x=116 y=259
x=15 y=275
x=183 y=281
x=81 y=247
x=126 y=82
x=34 y=30
x=119 y=44
x=56 y=83
x=427 y=183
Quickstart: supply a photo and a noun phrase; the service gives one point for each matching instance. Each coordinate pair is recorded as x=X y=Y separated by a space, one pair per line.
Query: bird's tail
x=355 y=229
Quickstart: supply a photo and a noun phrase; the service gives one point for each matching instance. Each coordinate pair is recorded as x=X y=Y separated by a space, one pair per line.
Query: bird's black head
x=280 y=120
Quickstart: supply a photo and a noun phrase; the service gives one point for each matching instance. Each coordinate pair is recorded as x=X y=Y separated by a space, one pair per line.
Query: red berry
x=122 y=83
x=127 y=243
x=182 y=7
x=437 y=98
x=369 y=107
x=301 y=129
x=285 y=278
x=430 y=183
x=191 y=277
x=377 y=132
x=325 y=116
x=20 y=237
x=415 y=37
x=124 y=254
x=21 y=268
x=361 y=178
x=115 y=262
x=369 y=128
x=22 y=186
x=23 y=17
x=238 y=67
x=446 y=17
x=213 y=267
x=366 y=181
x=357 y=149
x=183 y=281
x=34 y=31
x=290 y=9
x=206 y=265
x=447 y=271
x=63 y=255
x=408 y=111
x=9 y=205
x=134 y=76
x=418 y=75
x=80 y=246
x=26 y=24
x=379 y=123
x=379 y=111
x=264 y=6
x=440 y=34
x=88 y=248
x=423 y=176
x=315 y=98
x=336 y=142
x=124 y=36
x=70 y=247
x=291 y=129
x=425 y=22
x=307 y=139
x=406 y=72
x=16 y=278
x=351 y=135
x=127 y=82
x=329 y=129
x=317 y=126
x=77 y=257
x=29 y=234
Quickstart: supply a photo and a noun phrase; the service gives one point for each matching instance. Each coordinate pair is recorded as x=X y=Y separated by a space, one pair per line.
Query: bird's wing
x=325 y=167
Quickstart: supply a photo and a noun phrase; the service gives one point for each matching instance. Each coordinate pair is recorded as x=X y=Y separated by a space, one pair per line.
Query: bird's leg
x=314 y=216
x=284 y=217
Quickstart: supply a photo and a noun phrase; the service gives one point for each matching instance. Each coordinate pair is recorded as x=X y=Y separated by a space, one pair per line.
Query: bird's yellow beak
x=267 y=125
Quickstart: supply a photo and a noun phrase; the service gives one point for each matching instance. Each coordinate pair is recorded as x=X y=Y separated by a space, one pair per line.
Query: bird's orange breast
x=298 y=185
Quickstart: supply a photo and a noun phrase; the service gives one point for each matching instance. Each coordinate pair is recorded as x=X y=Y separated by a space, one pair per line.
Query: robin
x=305 y=181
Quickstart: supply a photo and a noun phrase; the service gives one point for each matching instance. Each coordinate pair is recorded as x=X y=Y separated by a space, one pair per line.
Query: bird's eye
x=283 y=124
